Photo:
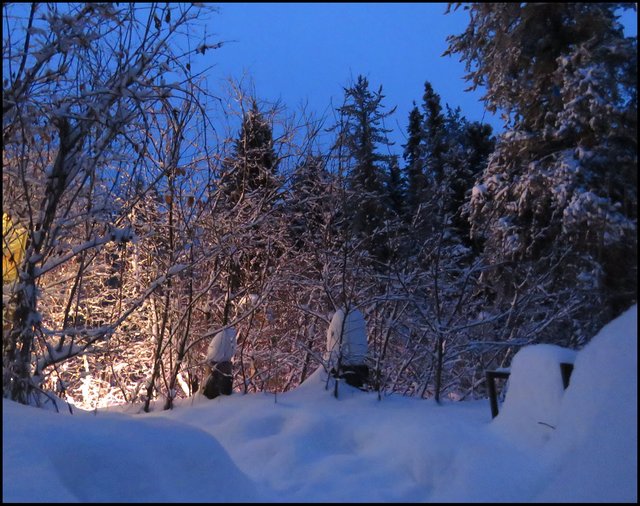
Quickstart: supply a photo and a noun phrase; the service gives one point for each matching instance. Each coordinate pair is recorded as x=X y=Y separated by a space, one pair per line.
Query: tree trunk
x=440 y=353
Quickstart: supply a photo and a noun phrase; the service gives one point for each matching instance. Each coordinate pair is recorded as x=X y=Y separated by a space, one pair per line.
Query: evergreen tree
x=469 y=145
x=444 y=154
x=435 y=203
x=395 y=188
x=252 y=167
x=308 y=202
x=361 y=135
x=251 y=183
x=435 y=135
x=558 y=199
x=414 y=158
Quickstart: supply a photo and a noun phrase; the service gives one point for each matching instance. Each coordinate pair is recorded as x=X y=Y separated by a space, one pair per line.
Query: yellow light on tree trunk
x=14 y=242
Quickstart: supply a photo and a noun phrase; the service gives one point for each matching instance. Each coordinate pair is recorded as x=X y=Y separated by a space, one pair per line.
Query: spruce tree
x=308 y=202
x=414 y=158
x=468 y=149
x=435 y=134
x=395 y=189
x=361 y=136
x=556 y=207
x=252 y=167
x=444 y=154
x=250 y=183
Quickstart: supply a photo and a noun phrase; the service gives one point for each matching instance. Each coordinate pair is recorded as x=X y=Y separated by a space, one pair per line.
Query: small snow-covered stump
x=346 y=356
x=219 y=354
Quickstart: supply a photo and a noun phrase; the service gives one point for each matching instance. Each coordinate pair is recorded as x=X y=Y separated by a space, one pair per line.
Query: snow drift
x=306 y=445
x=112 y=457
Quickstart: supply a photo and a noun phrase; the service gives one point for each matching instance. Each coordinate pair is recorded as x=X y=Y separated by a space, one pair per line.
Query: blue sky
x=300 y=52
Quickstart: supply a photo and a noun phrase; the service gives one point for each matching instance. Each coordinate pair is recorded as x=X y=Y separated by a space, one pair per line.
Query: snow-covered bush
x=88 y=119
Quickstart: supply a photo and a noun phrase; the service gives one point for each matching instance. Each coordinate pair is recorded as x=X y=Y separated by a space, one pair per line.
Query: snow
x=222 y=346
x=478 y=192
x=602 y=400
x=535 y=394
x=112 y=457
x=306 y=445
x=354 y=342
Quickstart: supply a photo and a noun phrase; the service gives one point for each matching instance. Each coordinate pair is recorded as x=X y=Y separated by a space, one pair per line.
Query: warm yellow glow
x=14 y=242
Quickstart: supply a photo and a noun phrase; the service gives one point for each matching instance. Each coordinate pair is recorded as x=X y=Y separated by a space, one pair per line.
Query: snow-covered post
x=347 y=347
x=219 y=354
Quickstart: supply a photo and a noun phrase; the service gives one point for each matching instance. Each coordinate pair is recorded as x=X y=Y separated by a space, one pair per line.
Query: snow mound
x=320 y=385
x=534 y=395
x=109 y=457
x=587 y=435
x=306 y=445
x=598 y=421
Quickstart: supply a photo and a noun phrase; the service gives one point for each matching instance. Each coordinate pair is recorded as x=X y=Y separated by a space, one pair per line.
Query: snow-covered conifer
x=557 y=201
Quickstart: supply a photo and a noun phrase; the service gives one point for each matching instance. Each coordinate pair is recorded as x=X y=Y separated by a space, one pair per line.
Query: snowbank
x=50 y=457
x=594 y=448
x=587 y=435
x=530 y=411
x=308 y=446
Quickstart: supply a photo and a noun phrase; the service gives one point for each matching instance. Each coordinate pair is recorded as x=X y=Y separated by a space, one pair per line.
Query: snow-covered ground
x=547 y=444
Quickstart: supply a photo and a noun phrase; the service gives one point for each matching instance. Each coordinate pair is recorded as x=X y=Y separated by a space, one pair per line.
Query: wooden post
x=220 y=380
x=491 y=385
x=355 y=375
x=566 y=370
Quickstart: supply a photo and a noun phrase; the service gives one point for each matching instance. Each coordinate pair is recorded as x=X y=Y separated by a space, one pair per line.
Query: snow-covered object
x=598 y=421
x=248 y=301
x=535 y=393
x=223 y=346
x=354 y=341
